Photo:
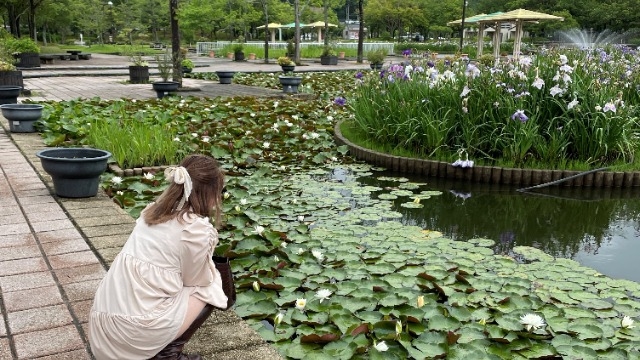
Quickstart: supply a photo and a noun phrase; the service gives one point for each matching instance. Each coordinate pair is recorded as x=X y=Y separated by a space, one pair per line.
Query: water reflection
x=597 y=227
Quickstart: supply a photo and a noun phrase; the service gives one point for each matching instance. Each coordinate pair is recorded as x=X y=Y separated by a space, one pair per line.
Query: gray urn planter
x=21 y=116
x=164 y=88
x=290 y=84
x=225 y=77
x=75 y=171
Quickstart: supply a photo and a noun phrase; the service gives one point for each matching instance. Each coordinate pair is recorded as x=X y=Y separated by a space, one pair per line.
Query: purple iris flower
x=430 y=64
x=519 y=115
x=359 y=75
x=340 y=101
x=406 y=52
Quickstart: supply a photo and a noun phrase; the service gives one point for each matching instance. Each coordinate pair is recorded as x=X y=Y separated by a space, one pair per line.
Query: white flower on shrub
x=148 y=176
x=116 y=180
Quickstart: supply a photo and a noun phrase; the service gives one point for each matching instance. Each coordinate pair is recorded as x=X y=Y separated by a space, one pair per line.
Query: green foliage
x=19 y=46
x=328 y=50
x=165 y=66
x=376 y=56
x=187 y=63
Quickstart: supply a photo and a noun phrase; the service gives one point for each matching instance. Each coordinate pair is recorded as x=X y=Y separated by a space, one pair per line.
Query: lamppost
x=464 y=10
x=110 y=19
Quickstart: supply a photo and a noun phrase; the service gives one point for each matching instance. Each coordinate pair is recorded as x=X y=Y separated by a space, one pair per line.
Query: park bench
x=84 y=56
x=46 y=59
x=158 y=46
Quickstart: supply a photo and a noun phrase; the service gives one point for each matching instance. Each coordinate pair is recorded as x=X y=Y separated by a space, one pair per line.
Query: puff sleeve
x=199 y=239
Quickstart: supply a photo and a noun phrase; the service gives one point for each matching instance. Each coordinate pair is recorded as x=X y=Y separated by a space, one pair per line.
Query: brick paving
x=55 y=251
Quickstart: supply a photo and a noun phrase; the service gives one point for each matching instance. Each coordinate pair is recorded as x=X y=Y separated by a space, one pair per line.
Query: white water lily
x=276 y=258
x=119 y=193
x=117 y=180
x=195 y=135
x=226 y=195
x=532 y=321
x=259 y=230
x=381 y=346
x=627 y=323
x=266 y=144
x=256 y=286
x=283 y=244
x=243 y=201
x=323 y=294
x=148 y=176
x=420 y=301
x=300 y=217
x=237 y=208
x=317 y=254
x=278 y=318
x=206 y=139
x=398 y=327
x=300 y=251
x=416 y=200
x=301 y=303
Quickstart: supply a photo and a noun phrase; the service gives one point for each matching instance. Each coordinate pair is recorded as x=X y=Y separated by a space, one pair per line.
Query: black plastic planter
x=225 y=76
x=9 y=94
x=21 y=116
x=75 y=171
x=164 y=88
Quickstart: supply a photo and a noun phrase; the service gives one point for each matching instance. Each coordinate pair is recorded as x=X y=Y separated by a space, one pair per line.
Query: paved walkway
x=54 y=251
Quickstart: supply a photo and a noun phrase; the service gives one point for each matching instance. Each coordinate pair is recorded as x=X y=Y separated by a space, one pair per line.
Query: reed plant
x=553 y=108
x=134 y=143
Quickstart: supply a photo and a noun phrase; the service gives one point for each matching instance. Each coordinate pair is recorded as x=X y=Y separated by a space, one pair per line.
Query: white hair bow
x=180 y=175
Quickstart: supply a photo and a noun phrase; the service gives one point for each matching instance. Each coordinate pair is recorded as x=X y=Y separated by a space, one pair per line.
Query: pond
x=596 y=227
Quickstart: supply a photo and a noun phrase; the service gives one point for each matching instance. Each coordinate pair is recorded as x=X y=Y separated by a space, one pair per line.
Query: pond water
x=597 y=227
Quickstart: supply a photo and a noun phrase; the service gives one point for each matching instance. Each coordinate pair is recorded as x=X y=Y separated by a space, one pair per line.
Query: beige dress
x=141 y=303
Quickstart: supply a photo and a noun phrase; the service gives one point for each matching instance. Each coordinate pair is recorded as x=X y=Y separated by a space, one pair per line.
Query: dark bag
x=224 y=268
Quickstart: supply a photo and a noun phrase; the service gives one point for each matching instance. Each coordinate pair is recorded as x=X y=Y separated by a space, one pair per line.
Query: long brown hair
x=205 y=199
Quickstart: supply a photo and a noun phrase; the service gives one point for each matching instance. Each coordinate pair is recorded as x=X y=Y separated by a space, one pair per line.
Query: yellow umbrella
x=271 y=26
x=272 y=29
x=519 y=16
x=320 y=26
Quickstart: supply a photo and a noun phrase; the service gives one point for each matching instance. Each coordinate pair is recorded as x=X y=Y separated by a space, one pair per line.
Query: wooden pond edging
x=487 y=174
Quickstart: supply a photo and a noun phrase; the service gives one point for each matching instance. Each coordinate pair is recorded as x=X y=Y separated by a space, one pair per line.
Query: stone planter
x=225 y=76
x=75 y=171
x=252 y=56
x=376 y=66
x=163 y=88
x=21 y=116
x=9 y=94
x=138 y=74
x=290 y=84
x=238 y=56
x=288 y=68
x=186 y=70
x=328 y=60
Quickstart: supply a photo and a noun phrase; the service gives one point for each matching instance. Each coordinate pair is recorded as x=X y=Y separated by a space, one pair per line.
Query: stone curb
x=488 y=174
